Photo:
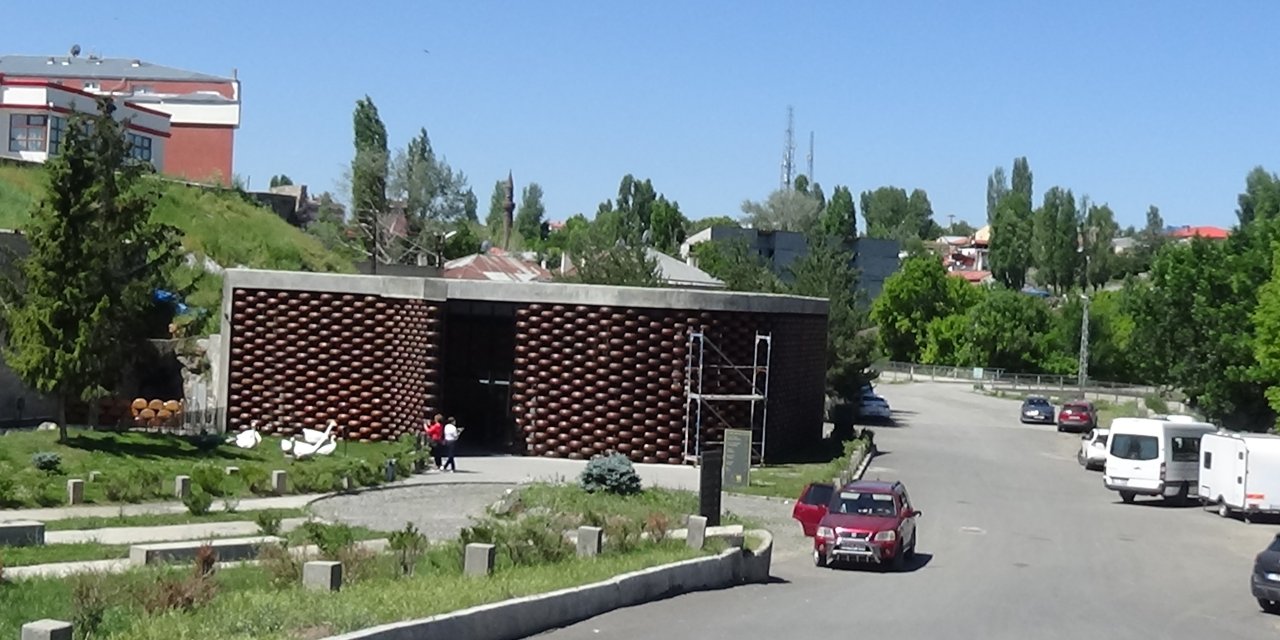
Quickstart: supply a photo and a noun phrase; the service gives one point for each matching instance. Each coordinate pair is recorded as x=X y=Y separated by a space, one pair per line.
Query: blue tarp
x=1032 y=291
x=160 y=295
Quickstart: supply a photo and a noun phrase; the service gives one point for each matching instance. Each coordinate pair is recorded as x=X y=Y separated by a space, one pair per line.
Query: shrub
x=284 y=568
x=89 y=603
x=656 y=525
x=309 y=477
x=198 y=503
x=209 y=478
x=47 y=461
x=205 y=562
x=8 y=487
x=256 y=478
x=362 y=473
x=358 y=564
x=49 y=494
x=133 y=484
x=1157 y=404
x=533 y=540
x=330 y=539
x=613 y=473
x=268 y=522
x=409 y=545
x=622 y=533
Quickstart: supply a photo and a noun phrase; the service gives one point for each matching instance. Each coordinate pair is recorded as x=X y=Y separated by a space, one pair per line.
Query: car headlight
x=826 y=533
x=1031 y=413
x=887 y=536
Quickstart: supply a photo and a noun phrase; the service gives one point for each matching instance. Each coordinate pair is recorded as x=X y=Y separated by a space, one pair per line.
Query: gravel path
x=439 y=511
x=773 y=514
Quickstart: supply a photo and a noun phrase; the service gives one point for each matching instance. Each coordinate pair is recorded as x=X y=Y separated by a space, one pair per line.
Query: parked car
x=1153 y=457
x=1240 y=472
x=865 y=521
x=1093 y=449
x=1266 y=577
x=1036 y=409
x=1077 y=416
x=874 y=407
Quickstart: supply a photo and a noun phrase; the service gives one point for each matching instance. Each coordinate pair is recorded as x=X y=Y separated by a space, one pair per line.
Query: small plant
x=358 y=564
x=613 y=473
x=47 y=461
x=49 y=494
x=330 y=539
x=284 y=568
x=211 y=479
x=409 y=545
x=1157 y=404
x=622 y=533
x=268 y=522
x=198 y=502
x=256 y=478
x=8 y=487
x=656 y=525
x=205 y=562
x=89 y=603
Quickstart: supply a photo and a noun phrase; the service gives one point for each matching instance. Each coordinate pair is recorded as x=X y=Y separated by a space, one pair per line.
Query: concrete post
x=231 y=471
x=279 y=481
x=75 y=492
x=697 y=532
x=94 y=475
x=589 y=541
x=390 y=470
x=478 y=561
x=182 y=487
x=46 y=630
x=322 y=576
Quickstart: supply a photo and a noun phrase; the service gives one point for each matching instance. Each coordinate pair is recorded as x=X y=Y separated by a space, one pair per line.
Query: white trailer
x=1240 y=472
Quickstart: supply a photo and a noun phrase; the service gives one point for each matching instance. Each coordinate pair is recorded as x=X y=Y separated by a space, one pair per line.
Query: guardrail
x=999 y=379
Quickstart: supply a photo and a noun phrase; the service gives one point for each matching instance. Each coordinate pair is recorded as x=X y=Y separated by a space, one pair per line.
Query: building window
x=139 y=147
x=27 y=132
x=57 y=125
x=92 y=86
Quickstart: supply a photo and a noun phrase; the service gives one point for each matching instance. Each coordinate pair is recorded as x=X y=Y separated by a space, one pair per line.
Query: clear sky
x=1133 y=103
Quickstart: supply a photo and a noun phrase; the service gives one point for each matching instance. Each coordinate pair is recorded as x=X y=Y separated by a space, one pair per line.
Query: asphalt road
x=1016 y=540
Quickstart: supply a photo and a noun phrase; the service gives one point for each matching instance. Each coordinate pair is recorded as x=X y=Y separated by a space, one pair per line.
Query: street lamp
x=1083 y=368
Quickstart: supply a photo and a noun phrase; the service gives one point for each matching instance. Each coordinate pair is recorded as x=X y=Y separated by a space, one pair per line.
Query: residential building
x=203 y=110
x=34 y=113
x=1186 y=233
x=495 y=265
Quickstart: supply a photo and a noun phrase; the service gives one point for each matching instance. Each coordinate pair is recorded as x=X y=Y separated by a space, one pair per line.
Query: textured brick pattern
x=797 y=383
x=301 y=358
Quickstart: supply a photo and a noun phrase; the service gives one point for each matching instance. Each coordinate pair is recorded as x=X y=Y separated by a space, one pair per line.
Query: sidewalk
x=477 y=470
x=174 y=533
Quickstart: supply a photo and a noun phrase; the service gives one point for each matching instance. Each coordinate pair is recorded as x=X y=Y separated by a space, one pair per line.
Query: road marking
x=880 y=470
x=974 y=530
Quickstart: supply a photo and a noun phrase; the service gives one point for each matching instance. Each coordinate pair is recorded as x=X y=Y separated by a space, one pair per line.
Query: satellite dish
x=75 y=50
x=485 y=246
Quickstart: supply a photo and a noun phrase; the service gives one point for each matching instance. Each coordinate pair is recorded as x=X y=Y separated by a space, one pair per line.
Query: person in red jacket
x=435 y=435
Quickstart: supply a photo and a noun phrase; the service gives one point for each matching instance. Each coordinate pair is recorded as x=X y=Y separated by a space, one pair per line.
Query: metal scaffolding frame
x=700 y=406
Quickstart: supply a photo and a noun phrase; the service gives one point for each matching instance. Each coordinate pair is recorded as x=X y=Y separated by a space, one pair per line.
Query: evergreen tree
x=369 y=173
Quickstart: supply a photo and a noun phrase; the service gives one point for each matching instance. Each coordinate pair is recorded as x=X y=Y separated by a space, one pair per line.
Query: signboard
x=737 y=458
x=978 y=373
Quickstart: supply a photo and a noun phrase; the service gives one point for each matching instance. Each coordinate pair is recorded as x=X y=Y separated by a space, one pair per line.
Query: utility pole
x=1084 y=344
x=789 y=151
x=508 y=206
x=810 y=159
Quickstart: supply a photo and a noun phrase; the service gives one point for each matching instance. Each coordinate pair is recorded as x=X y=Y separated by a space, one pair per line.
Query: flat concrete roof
x=440 y=289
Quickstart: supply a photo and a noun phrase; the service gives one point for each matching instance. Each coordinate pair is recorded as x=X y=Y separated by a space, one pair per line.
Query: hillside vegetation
x=218 y=224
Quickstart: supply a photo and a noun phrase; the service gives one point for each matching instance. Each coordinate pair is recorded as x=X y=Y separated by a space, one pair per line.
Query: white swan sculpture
x=326 y=444
x=247 y=439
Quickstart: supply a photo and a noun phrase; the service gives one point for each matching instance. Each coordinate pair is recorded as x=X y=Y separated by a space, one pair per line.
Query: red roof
x=972 y=276
x=1213 y=233
x=480 y=266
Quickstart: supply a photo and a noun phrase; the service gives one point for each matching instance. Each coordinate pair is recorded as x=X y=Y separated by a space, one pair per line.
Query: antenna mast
x=789 y=150
x=810 y=159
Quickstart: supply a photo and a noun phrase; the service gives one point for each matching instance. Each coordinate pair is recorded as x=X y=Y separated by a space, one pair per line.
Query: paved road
x=1016 y=541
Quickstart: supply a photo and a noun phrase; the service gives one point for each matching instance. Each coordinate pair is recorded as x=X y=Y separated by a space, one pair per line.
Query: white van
x=1240 y=472
x=1151 y=457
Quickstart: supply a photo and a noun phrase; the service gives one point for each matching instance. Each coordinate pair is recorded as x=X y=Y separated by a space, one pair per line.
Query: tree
x=497 y=214
x=461 y=241
x=470 y=206
x=997 y=187
x=1055 y=240
x=783 y=210
x=75 y=318
x=1021 y=181
x=694 y=226
x=666 y=226
x=1011 y=241
x=601 y=256
x=280 y=181
x=891 y=213
x=839 y=217
x=826 y=271
x=529 y=217
x=733 y=262
x=1099 y=231
x=918 y=293
x=1008 y=330
x=801 y=184
x=433 y=194
x=959 y=228
x=369 y=173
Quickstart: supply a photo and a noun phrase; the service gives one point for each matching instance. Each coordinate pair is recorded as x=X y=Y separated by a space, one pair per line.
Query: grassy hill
x=218 y=224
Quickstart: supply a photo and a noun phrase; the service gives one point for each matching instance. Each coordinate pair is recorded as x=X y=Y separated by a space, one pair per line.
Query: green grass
x=788 y=480
x=572 y=500
x=162 y=519
x=140 y=467
x=248 y=605
x=216 y=223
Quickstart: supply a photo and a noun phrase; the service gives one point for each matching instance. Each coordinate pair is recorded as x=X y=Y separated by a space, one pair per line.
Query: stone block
x=279 y=482
x=182 y=487
x=94 y=475
x=21 y=533
x=697 y=532
x=479 y=558
x=589 y=540
x=228 y=550
x=46 y=630
x=322 y=576
x=75 y=491
x=232 y=471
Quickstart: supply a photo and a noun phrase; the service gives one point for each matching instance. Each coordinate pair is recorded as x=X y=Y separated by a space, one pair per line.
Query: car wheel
x=899 y=561
x=911 y=550
x=1223 y=509
x=819 y=559
x=1080 y=459
x=1270 y=606
x=1127 y=496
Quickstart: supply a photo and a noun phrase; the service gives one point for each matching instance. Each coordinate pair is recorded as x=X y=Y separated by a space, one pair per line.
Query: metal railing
x=999 y=379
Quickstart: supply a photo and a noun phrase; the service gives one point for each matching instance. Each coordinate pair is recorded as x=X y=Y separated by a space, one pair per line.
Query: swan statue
x=304 y=449
x=247 y=439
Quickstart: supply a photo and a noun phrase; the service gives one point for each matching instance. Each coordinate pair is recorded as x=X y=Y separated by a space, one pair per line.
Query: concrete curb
x=868 y=454
x=523 y=617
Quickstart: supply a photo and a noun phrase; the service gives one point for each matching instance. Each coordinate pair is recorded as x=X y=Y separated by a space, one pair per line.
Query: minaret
x=508 y=206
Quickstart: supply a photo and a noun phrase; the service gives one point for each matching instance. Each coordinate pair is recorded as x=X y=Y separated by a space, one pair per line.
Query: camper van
x=1155 y=457
x=1240 y=472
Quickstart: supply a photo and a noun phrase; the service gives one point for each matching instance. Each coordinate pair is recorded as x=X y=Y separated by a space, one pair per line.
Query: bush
x=8 y=487
x=133 y=484
x=89 y=603
x=309 y=477
x=1157 y=404
x=330 y=539
x=256 y=478
x=613 y=473
x=49 y=494
x=622 y=534
x=284 y=568
x=656 y=525
x=209 y=478
x=198 y=503
x=409 y=545
x=268 y=522
x=533 y=540
x=47 y=461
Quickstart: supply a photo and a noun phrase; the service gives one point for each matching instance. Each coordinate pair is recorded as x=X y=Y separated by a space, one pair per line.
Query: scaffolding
x=704 y=360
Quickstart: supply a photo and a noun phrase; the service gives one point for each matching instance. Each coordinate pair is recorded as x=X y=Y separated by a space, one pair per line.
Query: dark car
x=1078 y=416
x=1036 y=409
x=864 y=521
x=1266 y=577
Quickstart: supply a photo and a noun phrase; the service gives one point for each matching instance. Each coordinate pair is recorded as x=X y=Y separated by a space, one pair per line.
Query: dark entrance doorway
x=479 y=355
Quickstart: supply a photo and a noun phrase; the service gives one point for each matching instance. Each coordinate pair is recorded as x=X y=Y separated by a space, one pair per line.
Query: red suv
x=1078 y=416
x=864 y=521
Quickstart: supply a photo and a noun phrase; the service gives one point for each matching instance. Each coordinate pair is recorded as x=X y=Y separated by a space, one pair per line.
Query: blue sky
x=1133 y=103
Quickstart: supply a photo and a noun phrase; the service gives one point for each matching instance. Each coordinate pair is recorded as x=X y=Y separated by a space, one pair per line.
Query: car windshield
x=861 y=503
x=1037 y=402
x=1134 y=447
x=1275 y=544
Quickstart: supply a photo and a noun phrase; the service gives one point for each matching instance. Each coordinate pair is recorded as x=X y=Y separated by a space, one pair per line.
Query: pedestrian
x=451 y=433
x=435 y=434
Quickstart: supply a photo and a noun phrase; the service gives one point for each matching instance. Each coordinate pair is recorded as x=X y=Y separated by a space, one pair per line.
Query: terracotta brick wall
x=301 y=358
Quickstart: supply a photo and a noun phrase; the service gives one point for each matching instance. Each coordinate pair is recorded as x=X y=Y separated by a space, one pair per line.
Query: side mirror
x=917 y=513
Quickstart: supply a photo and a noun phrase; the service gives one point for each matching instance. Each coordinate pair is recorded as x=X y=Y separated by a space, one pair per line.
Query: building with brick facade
x=203 y=111
x=547 y=369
